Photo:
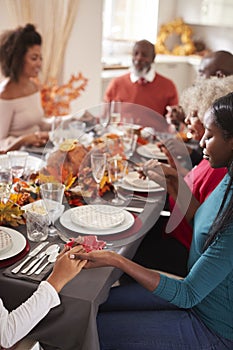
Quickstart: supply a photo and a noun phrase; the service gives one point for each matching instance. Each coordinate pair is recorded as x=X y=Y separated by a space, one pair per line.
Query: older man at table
x=143 y=85
x=213 y=64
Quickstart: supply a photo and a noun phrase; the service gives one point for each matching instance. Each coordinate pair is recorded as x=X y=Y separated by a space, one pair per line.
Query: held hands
x=65 y=268
x=96 y=258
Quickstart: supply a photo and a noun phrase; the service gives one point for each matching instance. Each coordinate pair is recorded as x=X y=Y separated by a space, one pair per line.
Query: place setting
x=133 y=182
x=101 y=218
x=13 y=245
x=103 y=221
x=43 y=253
x=107 y=216
x=37 y=265
x=151 y=150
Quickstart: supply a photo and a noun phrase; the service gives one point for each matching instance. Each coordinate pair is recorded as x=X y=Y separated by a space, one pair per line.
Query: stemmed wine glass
x=5 y=178
x=98 y=166
x=52 y=195
x=104 y=116
x=56 y=135
x=129 y=140
x=115 y=112
x=116 y=171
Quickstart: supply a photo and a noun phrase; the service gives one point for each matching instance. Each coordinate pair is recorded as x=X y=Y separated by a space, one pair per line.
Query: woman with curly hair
x=21 y=113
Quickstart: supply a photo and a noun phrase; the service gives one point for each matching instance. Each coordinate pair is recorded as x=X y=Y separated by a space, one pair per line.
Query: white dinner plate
x=151 y=151
x=132 y=183
x=34 y=163
x=67 y=222
x=97 y=216
x=18 y=240
x=132 y=178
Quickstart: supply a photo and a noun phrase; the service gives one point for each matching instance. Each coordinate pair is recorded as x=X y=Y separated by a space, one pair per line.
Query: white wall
x=215 y=37
x=167 y=11
x=84 y=52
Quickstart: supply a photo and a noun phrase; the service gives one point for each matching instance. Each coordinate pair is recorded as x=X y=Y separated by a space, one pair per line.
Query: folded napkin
x=89 y=243
x=33 y=278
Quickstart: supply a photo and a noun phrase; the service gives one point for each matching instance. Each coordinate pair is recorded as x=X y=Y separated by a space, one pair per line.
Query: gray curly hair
x=203 y=93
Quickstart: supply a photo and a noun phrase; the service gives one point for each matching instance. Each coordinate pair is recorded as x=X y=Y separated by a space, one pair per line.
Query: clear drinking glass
x=52 y=195
x=76 y=129
x=18 y=160
x=37 y=226
x=56 y=135
x=98 y=166
x=5 y=177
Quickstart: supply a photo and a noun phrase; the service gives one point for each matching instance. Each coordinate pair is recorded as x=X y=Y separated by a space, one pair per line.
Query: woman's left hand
x=38 y=139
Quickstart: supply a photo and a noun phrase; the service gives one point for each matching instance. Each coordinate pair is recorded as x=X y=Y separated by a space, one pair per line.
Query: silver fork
x=138 y=198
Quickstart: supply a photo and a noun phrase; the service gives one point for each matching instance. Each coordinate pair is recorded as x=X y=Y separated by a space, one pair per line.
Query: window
x=126 y=21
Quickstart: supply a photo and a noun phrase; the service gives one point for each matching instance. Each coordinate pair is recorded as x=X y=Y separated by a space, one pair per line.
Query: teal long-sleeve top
x=208 y=287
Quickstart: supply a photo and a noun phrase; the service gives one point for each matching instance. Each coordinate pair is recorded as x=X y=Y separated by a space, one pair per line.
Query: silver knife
x=34 y=261
x=134 y=209
x=31 y=254
x=63 y=237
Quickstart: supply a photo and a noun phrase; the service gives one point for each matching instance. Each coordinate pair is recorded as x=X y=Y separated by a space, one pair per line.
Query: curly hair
x=203 y=93
x=13 y=47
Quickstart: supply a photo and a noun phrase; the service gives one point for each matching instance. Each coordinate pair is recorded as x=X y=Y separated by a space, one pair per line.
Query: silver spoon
x=51 y=259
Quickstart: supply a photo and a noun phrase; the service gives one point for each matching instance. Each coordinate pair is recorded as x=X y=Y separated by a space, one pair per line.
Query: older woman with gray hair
x=195 y=101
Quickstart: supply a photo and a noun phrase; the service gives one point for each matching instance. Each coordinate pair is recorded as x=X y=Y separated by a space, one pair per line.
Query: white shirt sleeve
x=18 y=323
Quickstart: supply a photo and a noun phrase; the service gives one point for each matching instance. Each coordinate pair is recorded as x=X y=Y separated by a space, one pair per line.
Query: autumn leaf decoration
x=10 y=212
x=56 y=98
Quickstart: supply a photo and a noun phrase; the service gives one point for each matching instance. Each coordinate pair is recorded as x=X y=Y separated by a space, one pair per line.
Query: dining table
x=72 y=325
